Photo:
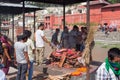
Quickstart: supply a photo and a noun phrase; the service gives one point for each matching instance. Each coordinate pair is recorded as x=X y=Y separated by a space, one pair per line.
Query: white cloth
x=39 y=41
x=103 y=74
x=2 y=75
x=31 y=47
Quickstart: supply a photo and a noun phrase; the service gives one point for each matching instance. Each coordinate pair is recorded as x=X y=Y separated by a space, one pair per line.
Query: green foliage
x=93 y=24
x=111 y=46
x=83 y=24
x=42 y=4
x=5 y=17
x=114 y=1
x=56 y=24
x=79 y=24
x=107 y=45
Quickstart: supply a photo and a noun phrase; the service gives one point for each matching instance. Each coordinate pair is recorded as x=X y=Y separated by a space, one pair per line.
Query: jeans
x=1 y=66
x=30 y=70
x=22 y=70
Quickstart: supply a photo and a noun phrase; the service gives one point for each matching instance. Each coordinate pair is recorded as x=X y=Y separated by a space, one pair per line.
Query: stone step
x=113 y=36
x=13 y=73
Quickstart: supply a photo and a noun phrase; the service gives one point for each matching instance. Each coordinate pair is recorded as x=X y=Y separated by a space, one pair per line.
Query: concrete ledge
x=13 y=73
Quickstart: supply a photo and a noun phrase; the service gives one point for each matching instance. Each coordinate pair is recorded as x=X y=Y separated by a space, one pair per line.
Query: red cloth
x=70 y=51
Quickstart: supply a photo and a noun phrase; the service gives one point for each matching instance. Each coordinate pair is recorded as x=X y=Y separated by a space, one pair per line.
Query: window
x=82 y=10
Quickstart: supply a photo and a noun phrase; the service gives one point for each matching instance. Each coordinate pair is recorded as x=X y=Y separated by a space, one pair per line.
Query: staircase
x=112 y=36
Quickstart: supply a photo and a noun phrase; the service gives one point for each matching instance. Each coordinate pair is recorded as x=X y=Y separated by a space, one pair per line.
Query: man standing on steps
x=40 y=39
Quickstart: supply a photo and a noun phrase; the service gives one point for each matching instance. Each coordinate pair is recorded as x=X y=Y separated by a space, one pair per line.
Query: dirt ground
x=99 y=53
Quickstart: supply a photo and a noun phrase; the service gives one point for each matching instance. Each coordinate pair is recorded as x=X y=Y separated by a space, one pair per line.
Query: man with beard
x=40 y=39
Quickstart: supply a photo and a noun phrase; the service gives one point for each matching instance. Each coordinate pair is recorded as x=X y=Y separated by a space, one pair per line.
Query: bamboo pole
x=88 y=27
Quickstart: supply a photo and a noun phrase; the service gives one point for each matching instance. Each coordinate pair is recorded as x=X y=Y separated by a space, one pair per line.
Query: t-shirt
x=39 y=41
x=20 y=48
x=30 y=46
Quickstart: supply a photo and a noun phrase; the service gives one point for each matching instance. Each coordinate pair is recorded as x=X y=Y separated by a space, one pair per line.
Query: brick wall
x=98 y=15
x=111 y=15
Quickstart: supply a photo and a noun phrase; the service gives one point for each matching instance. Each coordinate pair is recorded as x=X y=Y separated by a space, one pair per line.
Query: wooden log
x=63 y=57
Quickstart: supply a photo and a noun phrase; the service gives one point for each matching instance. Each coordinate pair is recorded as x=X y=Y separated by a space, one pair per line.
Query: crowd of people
x=70 y=39
x=107 y=28
x=26 y=53
x=71 y=45
x=67 y=50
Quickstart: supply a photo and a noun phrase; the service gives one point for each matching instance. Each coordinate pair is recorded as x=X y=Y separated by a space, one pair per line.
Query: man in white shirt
x=40 y=39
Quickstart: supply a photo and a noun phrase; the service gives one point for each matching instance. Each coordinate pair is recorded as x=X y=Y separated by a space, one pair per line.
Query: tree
x=4 y=18
x=114 y=1
x=41 y=4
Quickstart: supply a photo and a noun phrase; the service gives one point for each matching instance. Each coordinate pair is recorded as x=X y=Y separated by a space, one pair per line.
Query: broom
x=90 y=38
x=86 y=52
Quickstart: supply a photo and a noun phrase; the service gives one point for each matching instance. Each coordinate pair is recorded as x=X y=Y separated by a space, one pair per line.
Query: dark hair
x=8 y=39
x=23 y=37
x=75 y=27
x=27 y=32
x=57 y=29
x=5 y=37
x=65 y=27
x=19 y=37
x=113 y=52
x=40 y=25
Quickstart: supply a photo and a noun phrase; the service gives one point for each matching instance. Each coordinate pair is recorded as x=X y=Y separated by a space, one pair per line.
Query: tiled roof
x=99 y=2
x=61 y=2
x=12 y=8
